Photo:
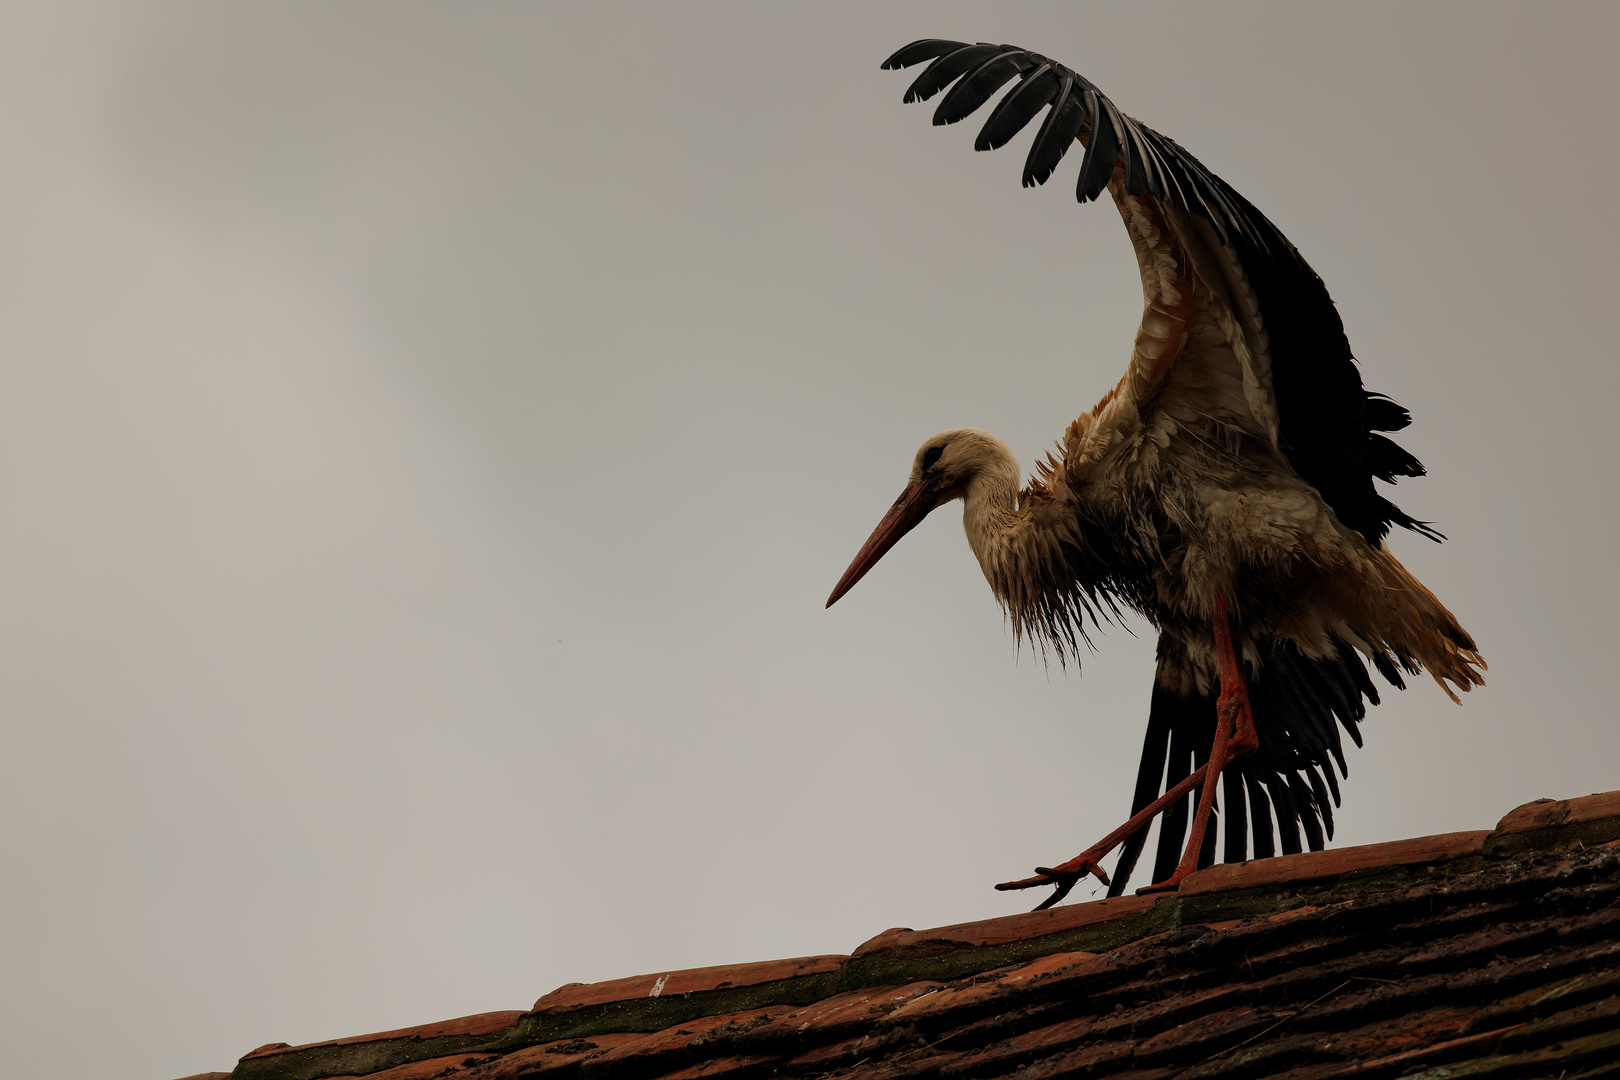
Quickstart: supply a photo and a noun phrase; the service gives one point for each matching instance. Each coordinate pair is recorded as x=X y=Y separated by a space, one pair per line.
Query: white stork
x=1223 y=490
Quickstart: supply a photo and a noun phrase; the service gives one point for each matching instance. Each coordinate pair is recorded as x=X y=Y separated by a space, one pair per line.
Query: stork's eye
x=931 y=457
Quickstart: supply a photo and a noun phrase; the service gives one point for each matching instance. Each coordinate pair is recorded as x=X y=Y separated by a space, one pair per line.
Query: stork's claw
x=1075 y=869
x=1065 y=877
x=1169 y=884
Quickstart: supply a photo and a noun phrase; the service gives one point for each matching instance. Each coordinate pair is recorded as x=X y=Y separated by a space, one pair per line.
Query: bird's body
x=1229 y=473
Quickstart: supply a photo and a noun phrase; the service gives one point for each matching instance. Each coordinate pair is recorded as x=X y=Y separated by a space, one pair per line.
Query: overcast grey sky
x=429 y=432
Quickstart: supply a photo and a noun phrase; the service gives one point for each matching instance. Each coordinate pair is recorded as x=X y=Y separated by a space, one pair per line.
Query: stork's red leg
x=1235 y=736
x=1066 y=875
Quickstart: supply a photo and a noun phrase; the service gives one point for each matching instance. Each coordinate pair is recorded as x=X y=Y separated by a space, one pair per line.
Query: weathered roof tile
x=1008 y=928
x=1547 y=813
x=554 y=1060
x=675 y=1047
x=692 y=980
x=735 y=1067
x=477 y=1024
x=1334 y=862
x=983 y=993
x=431 y=1069
x=828 y=1019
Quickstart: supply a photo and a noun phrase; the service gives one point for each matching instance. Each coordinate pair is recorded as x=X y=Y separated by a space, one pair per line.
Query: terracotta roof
x=1479 y=954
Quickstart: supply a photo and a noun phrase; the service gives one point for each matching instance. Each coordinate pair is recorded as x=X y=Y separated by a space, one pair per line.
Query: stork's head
x=946 y=467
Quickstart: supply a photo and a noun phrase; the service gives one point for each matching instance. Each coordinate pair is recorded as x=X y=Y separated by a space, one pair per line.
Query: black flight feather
x=1140 y=176
x=1018 y=108
x=976 y=87
x=1333 y=785
x=1166 y=713
x=944 y=71
x=1259 y=816
x=1301 y=706
x=1184 y=743
x=1102 y=149
x=1056 y=134
x=918 y=51
x=1387 y=459
x=1309 y=820
x=1324 y=804
x=1282 y=800
x=1237 y=825
x=1383 y=414
x=1206 y=847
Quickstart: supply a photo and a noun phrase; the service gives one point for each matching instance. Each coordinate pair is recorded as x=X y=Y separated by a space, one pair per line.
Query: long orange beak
x=911 y=507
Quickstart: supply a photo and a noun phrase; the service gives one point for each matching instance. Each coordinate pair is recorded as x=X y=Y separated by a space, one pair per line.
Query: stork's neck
x=995 y=526
x=1032 y=551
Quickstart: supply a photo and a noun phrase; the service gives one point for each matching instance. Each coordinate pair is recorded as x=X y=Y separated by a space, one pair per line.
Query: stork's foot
x=1065 y=876
x=1169 y=884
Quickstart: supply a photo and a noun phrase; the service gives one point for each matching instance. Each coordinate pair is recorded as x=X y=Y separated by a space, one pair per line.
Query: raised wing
x=1226 y=293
